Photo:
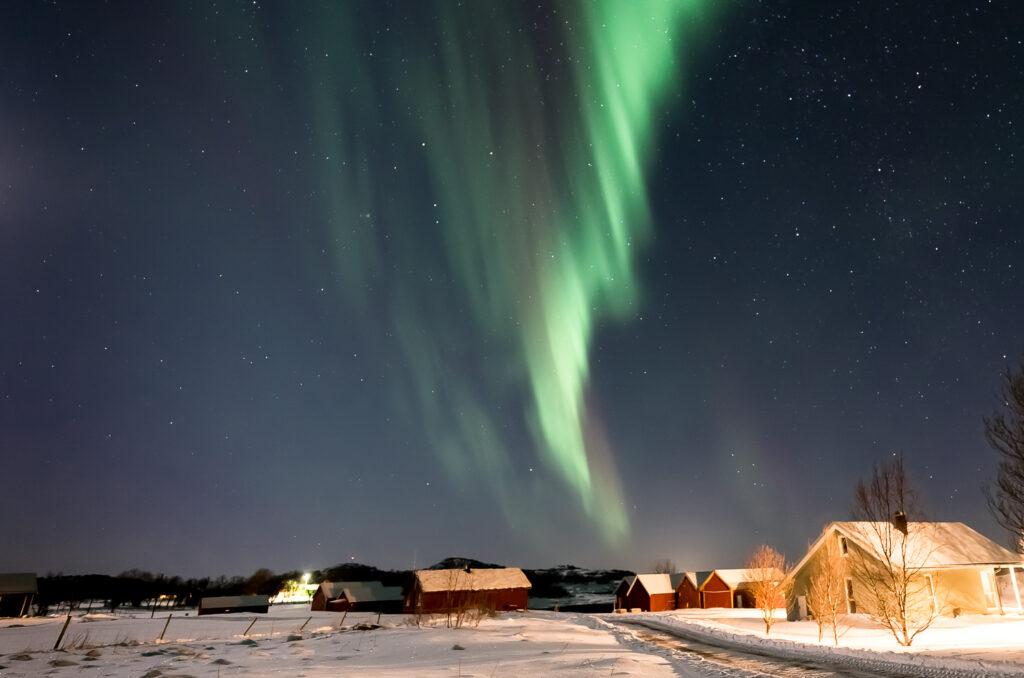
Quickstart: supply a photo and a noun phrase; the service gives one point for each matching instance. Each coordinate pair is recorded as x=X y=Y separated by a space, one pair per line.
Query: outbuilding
x=733 y=588
x=714 y=591
x=502 y=589
x=621 y=590
x=651 y=593
x=17 y=591
x=688 y=589
x=231 y=604
x=357 y=596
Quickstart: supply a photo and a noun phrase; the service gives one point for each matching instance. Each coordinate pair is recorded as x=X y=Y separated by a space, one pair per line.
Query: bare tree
x=663 y=566
x=890 y=567
x=766 y=574
x=826 y=598
x=1004 y=431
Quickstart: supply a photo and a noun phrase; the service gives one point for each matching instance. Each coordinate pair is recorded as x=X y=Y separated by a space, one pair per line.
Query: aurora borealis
x=538 y=203
x=602 y=282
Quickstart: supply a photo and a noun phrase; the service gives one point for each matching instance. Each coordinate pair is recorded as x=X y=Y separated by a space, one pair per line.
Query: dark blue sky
x=188 y=385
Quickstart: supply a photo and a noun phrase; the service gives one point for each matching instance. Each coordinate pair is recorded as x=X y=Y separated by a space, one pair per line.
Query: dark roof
x=18 y=582
x=702 y=576
x=360 y=591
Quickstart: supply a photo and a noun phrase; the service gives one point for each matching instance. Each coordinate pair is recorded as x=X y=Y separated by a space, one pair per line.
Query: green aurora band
x=534 y=161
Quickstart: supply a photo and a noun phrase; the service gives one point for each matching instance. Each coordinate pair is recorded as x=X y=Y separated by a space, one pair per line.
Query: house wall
x=638 y=598
x=715 y=593
x=442 y=601
x=15 y=604
x=960 y=589
x=661 y=602
x=319 y=602
x=620 y=596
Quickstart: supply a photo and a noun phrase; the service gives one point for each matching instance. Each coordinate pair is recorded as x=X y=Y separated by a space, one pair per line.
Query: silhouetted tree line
x=138 y=588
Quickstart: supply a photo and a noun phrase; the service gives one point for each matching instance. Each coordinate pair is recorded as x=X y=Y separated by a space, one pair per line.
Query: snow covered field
x=531 y=644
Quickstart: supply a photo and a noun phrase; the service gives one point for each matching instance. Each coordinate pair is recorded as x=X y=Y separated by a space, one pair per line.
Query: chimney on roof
x=899 y=521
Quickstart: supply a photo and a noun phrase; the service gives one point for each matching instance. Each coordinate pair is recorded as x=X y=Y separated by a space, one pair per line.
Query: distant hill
x=460 y=563
x=574 y=588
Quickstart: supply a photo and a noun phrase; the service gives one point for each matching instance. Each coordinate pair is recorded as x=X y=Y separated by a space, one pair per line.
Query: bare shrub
x=1004 y=432
x=663 y=566
x=766 y=570
x=890 y=571
x=826 y=598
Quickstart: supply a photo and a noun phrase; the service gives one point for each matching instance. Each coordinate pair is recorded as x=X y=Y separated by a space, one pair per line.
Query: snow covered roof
x=738 y=577
x=484 y=579
x=930 y=544
x=360 y=591
x=655 y=583
x=17 y=582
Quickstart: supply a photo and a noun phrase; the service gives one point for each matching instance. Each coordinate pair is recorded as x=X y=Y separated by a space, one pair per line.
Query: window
x=844 y=548
x=988 y=587
x=851 y=604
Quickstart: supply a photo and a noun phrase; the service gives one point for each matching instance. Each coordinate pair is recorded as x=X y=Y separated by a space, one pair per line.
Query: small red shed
x=714 y=592
x=651 y=593
x=688 y=589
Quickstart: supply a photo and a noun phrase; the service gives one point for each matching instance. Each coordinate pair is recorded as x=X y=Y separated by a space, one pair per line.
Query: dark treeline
x=138 y=588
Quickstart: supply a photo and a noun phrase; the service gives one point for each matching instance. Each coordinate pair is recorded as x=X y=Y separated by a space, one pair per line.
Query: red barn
x=651 y=593
x=502 y=589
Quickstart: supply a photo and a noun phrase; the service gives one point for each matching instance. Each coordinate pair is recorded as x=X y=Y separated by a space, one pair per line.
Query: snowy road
x=725 y=661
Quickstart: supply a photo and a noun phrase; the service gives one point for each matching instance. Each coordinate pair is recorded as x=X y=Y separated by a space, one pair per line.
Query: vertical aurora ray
x=513 y=225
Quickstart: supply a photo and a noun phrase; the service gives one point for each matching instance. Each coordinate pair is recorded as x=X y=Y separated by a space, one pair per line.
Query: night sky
x=287 y=285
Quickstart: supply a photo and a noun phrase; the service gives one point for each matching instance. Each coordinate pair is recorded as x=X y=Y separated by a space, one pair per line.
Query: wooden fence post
x=56 y=646
x=304 y=623
x=342 y=623
x=166 y=624
x=249 y=627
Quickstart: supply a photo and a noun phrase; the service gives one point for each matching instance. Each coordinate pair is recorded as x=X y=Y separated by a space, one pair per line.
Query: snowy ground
x=531 y=644
x=683 y=643
x=968 y=645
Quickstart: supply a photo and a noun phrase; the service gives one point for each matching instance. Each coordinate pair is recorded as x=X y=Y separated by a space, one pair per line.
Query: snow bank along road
x=726 y=647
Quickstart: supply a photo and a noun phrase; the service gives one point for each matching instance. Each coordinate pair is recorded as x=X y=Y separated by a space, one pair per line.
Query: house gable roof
x=655 y=584
x=735 y=579
x=488 y=579
x=931 y=545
